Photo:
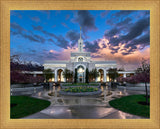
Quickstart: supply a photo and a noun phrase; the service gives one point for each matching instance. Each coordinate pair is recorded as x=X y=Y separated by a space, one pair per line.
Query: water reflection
x=102 y=89
x=84 y=100
x=39 y=94
x=120 y=93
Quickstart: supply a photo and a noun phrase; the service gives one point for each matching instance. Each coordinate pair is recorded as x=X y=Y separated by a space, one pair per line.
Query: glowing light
x=120 y=93
x=80 y=70
x=39 y=94
x=52 y=112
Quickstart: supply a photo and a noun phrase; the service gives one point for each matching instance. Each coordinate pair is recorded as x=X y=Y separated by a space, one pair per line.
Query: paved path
x=81 y=112
x=70 y=107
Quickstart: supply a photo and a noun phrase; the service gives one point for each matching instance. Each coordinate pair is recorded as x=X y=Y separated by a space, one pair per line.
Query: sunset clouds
x=123 y=35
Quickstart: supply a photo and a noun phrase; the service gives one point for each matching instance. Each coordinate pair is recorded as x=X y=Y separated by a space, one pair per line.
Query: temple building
x=80 y=60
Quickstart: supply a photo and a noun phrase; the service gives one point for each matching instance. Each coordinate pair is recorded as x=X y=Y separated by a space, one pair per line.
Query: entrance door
x=80 y=71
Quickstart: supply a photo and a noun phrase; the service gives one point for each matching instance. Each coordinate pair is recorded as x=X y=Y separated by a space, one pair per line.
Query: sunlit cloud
x=130 y=61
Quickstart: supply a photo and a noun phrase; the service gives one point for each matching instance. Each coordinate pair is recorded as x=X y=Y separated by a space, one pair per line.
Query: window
x=80 y=59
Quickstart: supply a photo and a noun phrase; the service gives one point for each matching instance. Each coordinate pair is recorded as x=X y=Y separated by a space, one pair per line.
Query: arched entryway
x=60 y=77
x=81 y=74
x=101 y=75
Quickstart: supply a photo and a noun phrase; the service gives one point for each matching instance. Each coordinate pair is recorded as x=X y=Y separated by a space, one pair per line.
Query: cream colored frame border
x=7 y=5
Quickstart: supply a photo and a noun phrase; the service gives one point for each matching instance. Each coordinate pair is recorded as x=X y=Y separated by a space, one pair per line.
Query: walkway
x=81 y=112
x=71 y=107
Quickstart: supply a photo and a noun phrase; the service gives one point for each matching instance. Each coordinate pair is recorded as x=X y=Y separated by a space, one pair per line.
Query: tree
x=87 y=76
x=18 y=77
x=68 y=74
x=113 y=74
x=18 y=71
x=90 y=76
x=93 y=74
x=143 y=75
x=48 y=74
x=75 y=76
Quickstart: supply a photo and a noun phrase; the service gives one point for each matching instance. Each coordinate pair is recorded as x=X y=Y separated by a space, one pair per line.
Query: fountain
x=120 y=93
x=55 y=94
x=125 y=91
x=105 y=94
x=34 y=90
x=39 y=94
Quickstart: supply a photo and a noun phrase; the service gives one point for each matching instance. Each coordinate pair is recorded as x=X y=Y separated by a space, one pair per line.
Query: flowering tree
x=143 y=75
x=121 y=79
x=18 y=77
x=17 y=68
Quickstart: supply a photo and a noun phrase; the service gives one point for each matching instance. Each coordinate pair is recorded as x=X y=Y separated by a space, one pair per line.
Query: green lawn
x=130 y=105
x=23 y=106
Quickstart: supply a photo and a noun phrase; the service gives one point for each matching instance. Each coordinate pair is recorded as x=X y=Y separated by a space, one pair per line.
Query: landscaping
x=24 y=105
x=132 y=104
x=82 y=84
x=80 y=89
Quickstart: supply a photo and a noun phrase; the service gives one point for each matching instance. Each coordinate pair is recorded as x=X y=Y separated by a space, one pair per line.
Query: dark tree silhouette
x=75 y=76
x=48 y=74
x=87 y=76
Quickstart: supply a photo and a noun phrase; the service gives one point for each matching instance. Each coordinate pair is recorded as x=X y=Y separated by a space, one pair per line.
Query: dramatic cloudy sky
x=121 y=35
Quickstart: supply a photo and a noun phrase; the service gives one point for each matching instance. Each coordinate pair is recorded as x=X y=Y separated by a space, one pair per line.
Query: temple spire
x=80 y=43
x=80 y=32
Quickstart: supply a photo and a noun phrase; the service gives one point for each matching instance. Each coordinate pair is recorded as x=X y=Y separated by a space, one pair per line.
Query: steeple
x=80 y=43
x=80 y=32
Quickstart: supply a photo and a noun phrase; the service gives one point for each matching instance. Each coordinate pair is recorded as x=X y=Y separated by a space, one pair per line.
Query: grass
x=82 y=84
x=22 y=106
x=130 y=105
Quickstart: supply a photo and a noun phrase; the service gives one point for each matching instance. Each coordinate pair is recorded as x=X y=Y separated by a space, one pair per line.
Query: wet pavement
x=86 y=107
x=81 y=112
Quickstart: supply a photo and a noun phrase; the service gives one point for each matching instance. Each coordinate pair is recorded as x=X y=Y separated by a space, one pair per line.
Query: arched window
x=80 y=59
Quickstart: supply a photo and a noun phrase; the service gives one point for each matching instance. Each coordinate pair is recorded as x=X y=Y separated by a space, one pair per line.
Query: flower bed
x=94 y=85
x=80 y=89
x=81 y=84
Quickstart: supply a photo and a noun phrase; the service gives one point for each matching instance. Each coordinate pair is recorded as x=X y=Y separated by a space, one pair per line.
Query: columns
x=55 y=75
x=96 y=79
x=64 y=79
x=104 y=77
